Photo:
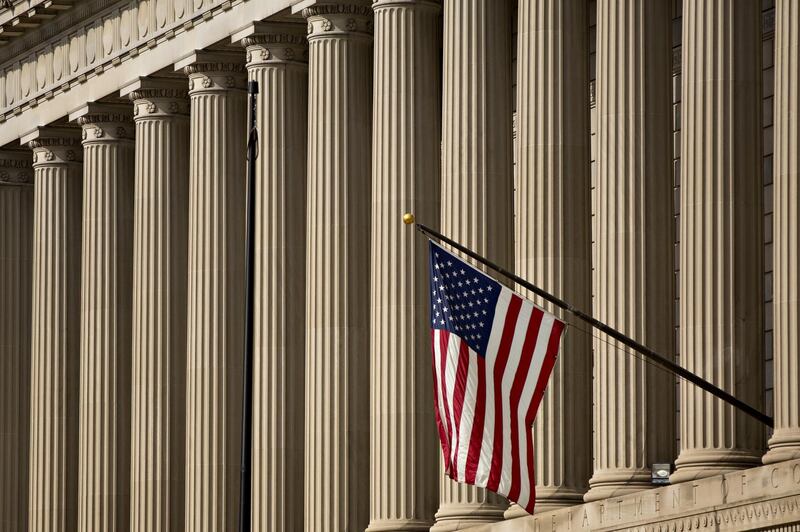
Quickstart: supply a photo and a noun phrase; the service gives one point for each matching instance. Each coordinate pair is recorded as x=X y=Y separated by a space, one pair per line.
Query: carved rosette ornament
x=276 y=42
x=16 y=167
x=156 y=102
x=107 y=127
x=56 y=150
x=351 y=19
x=209 y=77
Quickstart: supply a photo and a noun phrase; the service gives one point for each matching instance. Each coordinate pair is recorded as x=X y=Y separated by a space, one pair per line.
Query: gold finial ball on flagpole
x=408 y=218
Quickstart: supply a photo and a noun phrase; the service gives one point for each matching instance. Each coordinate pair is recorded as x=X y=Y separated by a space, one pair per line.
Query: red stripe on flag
x=509 y=327
x=442 y=434
x=541 y=385
x=459 y=387
x=547 y=369
x=476 y=436
x=532 y=496
x=444 y=340
x=528 y=347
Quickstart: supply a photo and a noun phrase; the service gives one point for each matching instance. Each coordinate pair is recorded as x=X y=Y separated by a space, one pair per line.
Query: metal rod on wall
x=247 y=398
x=656 y=357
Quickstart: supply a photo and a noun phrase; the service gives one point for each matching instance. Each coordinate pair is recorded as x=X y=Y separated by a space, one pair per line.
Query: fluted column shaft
x=105 y=315
x=552 y=228
x=337 y=266
x=215 y=320
x=277 y=58
x=633 y=400
x=16 y=224
x=53 y=494
x=721 y=326
x=405 y=178
x=477 y=177
x=785 y=441
x=161 y=191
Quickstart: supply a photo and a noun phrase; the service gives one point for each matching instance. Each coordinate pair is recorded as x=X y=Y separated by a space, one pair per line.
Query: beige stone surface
x=104 y=434
x=158 y=362
x=721 y=236
x=785 y=441
x=337 y=267
x=552 y=230
x=277 y=57
x=405 y=178
x=55 y=356
x=344 y=436
x=16 y=229
x=634 y=402
x=477 y=179
x=215 y=310
x=763 y=498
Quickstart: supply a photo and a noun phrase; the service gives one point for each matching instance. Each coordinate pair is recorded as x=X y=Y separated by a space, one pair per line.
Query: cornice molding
x=95 y=36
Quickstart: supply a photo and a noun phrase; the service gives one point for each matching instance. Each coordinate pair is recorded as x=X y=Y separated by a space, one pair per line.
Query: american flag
x=493 y=352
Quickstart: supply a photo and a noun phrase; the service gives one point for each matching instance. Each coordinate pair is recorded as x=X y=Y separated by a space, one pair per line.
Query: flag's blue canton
x=463 y=299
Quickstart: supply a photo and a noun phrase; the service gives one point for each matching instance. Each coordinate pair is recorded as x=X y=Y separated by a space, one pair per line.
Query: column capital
x=104 y=122
x=16 y=167
x=157 y=98
x=339 y=19
x=54 y=145
x=274 y=42
x=211 y=71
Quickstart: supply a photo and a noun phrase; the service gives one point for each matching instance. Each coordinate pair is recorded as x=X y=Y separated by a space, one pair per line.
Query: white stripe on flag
x=520 y=331
x=542 y=341
x=485 y=462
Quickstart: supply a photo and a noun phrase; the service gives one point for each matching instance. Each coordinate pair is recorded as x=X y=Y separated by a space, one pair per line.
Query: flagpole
x=659 y=359
x=247 y=398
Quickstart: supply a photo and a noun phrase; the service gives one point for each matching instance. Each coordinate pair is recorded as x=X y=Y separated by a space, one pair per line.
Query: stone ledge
x=745 y=500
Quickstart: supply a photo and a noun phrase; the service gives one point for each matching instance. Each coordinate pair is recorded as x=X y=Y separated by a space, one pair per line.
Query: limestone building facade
x=639 y=158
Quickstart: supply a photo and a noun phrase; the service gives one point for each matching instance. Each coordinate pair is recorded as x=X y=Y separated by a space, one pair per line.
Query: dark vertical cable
x=245 y=487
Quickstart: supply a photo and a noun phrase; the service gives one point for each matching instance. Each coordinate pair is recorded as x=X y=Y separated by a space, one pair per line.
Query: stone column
x=553 y=230
x=477 y=177
x=721 y=327
x=785 y=441
x=405 y=178
x=105 y=316
x=215 y=328
x=337 y=266
x=158 y=372
x=53 y=494
x=633 y=401
x=16 y=223
x=277 y=57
